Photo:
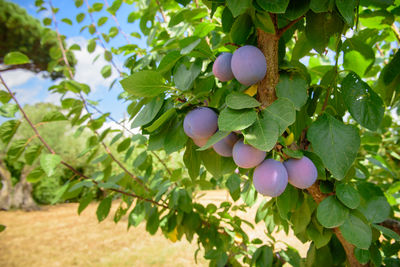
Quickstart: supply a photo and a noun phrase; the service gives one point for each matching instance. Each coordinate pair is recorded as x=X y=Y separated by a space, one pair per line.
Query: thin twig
x=128 y=130
x=381 y=53
x=161 y=11
x=118 y=24
x=396 y=32
x=281 y=31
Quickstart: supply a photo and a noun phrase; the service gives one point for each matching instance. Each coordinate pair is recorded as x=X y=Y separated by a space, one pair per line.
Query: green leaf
x=376 y=209
x=274 y=6
x=32 y=152
x=146 y=83
x=91 y=46
x=262 y=134
x=320 y=27
x=218 y=136
x=301 y=217
x=262 y=257
x=282 y=111
x=149 y=112
x=287 y=201
x=67 y=21
x=8 y=110
x=80 y=17
x=236 y=100
x=49 y=162
x=294 y=88
x=137 y=215
x=124 y=145
x=175 y=138
x=241 y=29
x=161 y=120
x=263 y=21
x=233 y=184
x=104 y=209
x=169 y=61
x=301 y=48
x=375 y=254
x=35 y=175
x=358 y=56
x=140 y=159
x=227 y=20
x=84 y=202
x=2 y=228
x=4 y=97
x=15 y=58
x=234 y=120
x=389 y=72
x=8 y=129
x=348 y=195
x=387 y=232
x=347 y=9
x=319 y=6
x=331 y=213
x=53 y=116
x=356 y=232
x=297 y=9
x=320 y=239
x=335 y=143
x=192 y=161
x=364 y=105
x=102 y=21
x=362 y=255
x=16 y=149
x=216 y=164
x=106 y=71
x=153 y=221
x=184 y=78
x=238 y=7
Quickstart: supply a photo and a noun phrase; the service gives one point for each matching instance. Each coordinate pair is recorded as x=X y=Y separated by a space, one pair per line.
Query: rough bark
x=268 y=44
x=6 y=190
x=266 y=94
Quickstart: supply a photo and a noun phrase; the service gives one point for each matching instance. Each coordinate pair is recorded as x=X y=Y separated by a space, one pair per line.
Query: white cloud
x=18 y=77
x=88 y=72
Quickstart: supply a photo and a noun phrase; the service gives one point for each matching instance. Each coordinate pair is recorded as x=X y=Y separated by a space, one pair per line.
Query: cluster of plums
x=247 y=65
x=270 y=177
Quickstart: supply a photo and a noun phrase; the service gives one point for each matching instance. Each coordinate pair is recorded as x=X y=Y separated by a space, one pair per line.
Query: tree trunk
x=19 y=196
x=266 y=94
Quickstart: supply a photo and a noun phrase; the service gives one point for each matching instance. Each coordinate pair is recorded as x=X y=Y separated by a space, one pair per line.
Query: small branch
x=161 y=11
x=118 y=24
x=274 y=21
x=281 y=31
x=232 y=44
x=396 y=31
x=381 y=53
x=328 y=93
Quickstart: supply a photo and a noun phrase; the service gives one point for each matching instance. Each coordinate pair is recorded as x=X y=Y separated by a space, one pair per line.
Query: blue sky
x=31 y=88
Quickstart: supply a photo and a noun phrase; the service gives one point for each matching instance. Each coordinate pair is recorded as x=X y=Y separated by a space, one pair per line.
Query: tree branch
x=118 y=24
x=161 y=11
x=396 y=32
x=281 y=31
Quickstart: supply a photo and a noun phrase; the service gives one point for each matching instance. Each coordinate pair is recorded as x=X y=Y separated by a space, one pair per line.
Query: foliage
x=20 y=32
x=337 y=95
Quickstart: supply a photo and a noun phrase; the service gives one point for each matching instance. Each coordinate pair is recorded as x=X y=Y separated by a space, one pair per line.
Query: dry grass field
x=57 y=236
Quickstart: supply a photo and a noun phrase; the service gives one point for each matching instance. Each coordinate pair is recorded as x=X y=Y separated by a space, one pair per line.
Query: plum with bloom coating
x=200 y=123
x=302 y=172
x=270 y=178
x=222 y=67
x=246 y=156
x=224 y=147
x=200 y=141
x=248 y=65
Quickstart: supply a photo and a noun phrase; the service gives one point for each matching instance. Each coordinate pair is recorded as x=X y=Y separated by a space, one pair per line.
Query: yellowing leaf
x=252 y=90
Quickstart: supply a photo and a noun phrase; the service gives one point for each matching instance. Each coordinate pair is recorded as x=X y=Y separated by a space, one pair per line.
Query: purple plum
x=302 y=172
x=270 y=178
x=200 y=123
x=246 y=156
x=224 y=147
x=248 y=65
x=222 y=67
x=200 y=141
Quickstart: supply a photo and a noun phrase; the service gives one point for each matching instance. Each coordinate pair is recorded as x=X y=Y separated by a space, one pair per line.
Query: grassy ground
x=57 y=236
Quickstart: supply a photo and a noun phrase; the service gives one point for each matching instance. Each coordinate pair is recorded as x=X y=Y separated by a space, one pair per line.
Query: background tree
x=22 y=32
x=330 y=93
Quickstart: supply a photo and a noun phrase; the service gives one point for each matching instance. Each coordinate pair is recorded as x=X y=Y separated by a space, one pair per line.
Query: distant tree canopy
x=21 y=32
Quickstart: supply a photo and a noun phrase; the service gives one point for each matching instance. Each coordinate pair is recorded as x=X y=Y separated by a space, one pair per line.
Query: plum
x=224 y=147
x=248 y=65
x=270 y=178
x=200 y=141
x=222 y=67
x=246 y=156
x=200 y=123
x=302 y=172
